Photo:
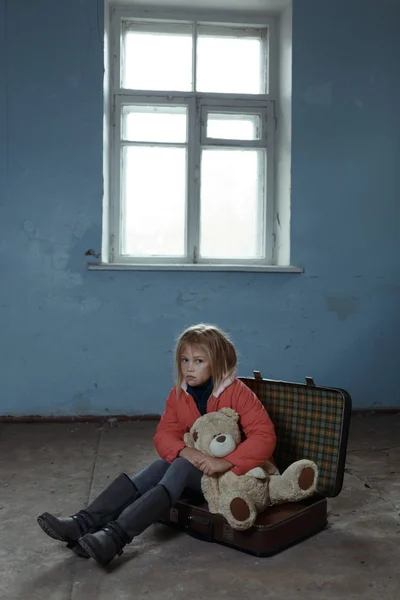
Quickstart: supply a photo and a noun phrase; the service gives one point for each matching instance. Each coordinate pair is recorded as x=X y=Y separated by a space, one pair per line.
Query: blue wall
x=79 y=342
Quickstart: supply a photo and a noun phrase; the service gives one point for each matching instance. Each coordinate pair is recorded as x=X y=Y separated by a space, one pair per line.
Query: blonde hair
x=218 y=347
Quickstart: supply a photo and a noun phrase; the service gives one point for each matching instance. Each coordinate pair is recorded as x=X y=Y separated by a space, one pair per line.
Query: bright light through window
x=154 y=205
x=231 y=203
x=230 y=65
x=157 y=60
x=228 y=126
x=192 y=143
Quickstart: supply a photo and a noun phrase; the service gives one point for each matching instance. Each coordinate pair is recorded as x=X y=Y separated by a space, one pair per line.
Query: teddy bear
x=240 y=498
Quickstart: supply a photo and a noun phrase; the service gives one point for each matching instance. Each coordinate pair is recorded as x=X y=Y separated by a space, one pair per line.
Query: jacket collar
x=224 y=384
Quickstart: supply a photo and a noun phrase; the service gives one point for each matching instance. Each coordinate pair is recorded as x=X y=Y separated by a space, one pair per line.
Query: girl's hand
x=193 y=456
x=214 y=466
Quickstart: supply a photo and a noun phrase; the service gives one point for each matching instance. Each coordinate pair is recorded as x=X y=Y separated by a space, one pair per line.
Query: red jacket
x=181 y=412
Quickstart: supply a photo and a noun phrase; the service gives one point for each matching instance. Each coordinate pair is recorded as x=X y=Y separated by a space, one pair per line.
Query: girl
x=205 y=364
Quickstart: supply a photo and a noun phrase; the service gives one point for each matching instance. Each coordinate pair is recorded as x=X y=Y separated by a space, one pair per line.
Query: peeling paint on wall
x=342 y=307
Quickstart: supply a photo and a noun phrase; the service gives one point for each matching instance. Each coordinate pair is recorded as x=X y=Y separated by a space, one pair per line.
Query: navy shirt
x=201 y=394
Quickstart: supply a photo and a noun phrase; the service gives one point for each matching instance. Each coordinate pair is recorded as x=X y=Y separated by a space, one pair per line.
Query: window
x=191 y=143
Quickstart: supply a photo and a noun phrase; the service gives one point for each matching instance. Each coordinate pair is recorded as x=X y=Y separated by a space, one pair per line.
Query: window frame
x=198 y=104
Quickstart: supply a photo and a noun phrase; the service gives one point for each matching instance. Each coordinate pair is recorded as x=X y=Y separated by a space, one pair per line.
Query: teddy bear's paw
x=238 y=511
x=304 y=473
x=308 y=478
x=299 y=481
x=258 y=473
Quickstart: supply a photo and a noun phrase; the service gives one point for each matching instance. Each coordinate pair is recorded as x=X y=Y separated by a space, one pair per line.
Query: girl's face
x=195 y=365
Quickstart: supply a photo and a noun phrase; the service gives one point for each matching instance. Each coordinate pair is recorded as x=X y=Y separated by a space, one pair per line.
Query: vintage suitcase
x=311 y=422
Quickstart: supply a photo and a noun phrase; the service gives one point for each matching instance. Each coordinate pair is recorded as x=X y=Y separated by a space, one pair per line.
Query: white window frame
x=198 y=104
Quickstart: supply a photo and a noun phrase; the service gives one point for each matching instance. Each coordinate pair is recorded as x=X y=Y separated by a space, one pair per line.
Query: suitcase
x=311 y=422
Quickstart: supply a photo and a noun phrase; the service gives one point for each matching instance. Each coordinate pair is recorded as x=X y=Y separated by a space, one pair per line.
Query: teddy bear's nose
x=221 y=438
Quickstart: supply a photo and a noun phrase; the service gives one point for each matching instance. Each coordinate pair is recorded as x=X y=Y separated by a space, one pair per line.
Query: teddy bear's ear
x=188 y=438
x=229 y=412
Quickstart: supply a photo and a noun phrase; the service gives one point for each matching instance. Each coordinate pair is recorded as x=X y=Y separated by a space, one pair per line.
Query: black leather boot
x=109 y=541
x=107 y=506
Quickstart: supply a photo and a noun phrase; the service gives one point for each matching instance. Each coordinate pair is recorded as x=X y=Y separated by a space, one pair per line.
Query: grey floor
x=58 y=467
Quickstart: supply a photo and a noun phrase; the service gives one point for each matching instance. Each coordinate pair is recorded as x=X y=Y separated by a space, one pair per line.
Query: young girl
x=205 y=363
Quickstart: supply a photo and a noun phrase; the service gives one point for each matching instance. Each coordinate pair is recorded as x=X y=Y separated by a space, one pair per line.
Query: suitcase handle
x=206 y=537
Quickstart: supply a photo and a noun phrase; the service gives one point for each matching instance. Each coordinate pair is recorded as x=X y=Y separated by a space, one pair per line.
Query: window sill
x=192 y=267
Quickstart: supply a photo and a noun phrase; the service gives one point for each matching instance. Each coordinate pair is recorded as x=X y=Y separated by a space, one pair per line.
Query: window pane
x=229 y=126
x=158 y=60
x=153 y=201
x=230 y=63
x=154 y=123
x=232 y=192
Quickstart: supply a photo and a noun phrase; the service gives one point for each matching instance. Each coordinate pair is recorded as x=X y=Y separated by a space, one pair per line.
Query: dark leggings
x=175 y=477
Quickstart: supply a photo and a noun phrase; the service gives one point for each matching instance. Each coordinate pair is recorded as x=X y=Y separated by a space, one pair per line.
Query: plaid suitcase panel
x=310 y=422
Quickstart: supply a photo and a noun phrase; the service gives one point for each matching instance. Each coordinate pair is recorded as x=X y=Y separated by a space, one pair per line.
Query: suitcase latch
x=174 y=515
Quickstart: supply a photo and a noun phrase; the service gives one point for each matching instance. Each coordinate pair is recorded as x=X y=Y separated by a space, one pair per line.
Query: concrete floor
x=58 y=467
